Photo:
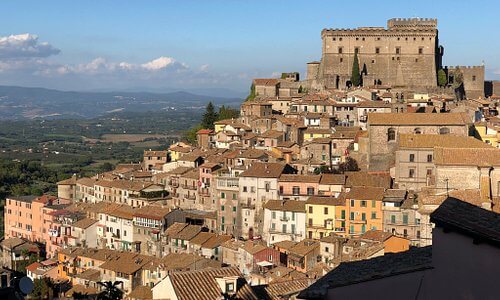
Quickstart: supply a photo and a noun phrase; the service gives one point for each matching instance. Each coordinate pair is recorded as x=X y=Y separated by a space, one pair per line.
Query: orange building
x=392 y=243
x=364 y=209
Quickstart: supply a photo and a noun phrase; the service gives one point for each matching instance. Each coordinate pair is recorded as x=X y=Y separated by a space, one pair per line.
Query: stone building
x=384 y=131
x=414 y=166
x=405 y=54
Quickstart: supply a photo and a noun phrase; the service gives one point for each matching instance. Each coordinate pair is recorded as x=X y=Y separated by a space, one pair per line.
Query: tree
x=106 y=167
x=209 y=117
x=300 y=89
x=110 y=291
x=190 y=135
x=349 y=165
x=442 y=80
x=458 y=84
x=252 y=94
x=227 y=113
x=355 y=76
x=42 y=289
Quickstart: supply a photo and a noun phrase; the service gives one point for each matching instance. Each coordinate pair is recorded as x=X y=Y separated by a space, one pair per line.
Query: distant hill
x=17 y=103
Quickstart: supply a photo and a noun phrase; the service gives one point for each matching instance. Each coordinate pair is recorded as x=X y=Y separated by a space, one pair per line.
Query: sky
x=159 y=45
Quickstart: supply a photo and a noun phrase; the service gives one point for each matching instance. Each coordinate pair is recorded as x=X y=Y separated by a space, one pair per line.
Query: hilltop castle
x=406 y=54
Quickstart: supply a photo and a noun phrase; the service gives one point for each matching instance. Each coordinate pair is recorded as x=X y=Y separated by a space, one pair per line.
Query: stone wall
x=405 y=54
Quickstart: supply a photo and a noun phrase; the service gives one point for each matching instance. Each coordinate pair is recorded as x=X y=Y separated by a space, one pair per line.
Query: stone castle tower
x=406 y=54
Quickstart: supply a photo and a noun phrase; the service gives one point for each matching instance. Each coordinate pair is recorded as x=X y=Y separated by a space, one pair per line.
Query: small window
x=334 y=39
x=420 y=50
x=473 y=77
x=310 y=209
x=326 y=210
x=341 y=50
x=373 y=61
x=411 y=173
x=363 y=203
x=429 y=157
x=391 y=134
x=341 y=59
x=340 y=39
x=412 y=157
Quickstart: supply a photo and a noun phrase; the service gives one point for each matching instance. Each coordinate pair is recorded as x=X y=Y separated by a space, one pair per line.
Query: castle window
x=422 y=39
x=377 y=50
x=391 y=134
x=420 y=50
x=406 y=39
x=363 y=39
x=414 y=39
x=473 y=77
x=356 y=50
x=373 y=61
x=357 y=39
x=378 y=39
x=340 y=39
x=398 y=39
x=340 y=50
x=416 y=59
x=393 y=58
x=334 y=39
x=397 y=58
x=341 y=59
x=398 y=50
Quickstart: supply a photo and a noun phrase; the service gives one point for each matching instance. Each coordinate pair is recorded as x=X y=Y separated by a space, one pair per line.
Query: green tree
x=300 y=89
x=190 y=135
x=42 y=289
x=209 y=117
x=227 y=113
x=355 y=75
x=110 y=290
x=349 y=165
x=252 y=94
x=106 y=167
x=442 y=80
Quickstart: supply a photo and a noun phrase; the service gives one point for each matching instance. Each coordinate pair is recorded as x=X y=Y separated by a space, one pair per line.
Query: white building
x=284 y=220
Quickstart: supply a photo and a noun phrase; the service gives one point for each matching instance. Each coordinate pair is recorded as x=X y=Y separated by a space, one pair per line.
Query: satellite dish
x=26 y=285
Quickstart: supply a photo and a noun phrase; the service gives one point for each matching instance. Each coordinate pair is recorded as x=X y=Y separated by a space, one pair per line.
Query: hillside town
x=322 y=188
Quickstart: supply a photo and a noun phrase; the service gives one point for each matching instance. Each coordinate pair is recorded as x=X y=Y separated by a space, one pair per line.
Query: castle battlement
x=404 y=23
x=464 y=67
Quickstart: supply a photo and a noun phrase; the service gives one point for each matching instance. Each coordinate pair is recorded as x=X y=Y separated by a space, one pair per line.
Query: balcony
x=358 y=221
x=285 y=219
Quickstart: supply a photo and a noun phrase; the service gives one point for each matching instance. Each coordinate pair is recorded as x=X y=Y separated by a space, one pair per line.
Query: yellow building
x=325 y=215
x=488 y=133
x=177 y=150
x=364 y=209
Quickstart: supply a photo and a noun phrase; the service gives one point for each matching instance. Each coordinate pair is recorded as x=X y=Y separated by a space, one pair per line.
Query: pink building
x=298 y=187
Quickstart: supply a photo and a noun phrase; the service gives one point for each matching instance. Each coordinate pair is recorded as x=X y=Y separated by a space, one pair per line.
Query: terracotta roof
x=361 y=178
x=374 y=104
x=141 y=293
x=205 y=131
x=266 y=81
x=468 y=219
x=155 y=153
x=253 y=247
x=84 y=223
x=286 y=245
x=439 y=140
x=366 y=193
x=336 y=179
x=89 y=182
x=267 y=170
x=151 y=212
x=485 y=157
x=417 y=119
x=286 y=205
x=391 y=264
x=304 y=247
x=200 y=284
x=299 y=178
x=32 y=268
x=201 y=238
x=126 y=262
x=286 y=288
x=318 y=200
x=376 y=235
x=216 y=241
x=273 y=134
x=252 y=153
x=180 y=170
x=69 y=181
x=311 y=130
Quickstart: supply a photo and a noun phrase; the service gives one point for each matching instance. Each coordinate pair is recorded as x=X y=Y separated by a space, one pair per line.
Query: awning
x=264 y=264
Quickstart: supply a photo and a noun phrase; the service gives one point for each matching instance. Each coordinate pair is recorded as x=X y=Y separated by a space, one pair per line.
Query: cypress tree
x=209 y=117
x=442 y=80
x=355 y=76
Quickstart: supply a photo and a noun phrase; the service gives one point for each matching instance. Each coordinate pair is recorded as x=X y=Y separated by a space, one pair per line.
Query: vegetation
x=355 y=75
x=209 y=117
x=252 y=94
x=442 y=80
x=42 y=289
x=110 y=290
x=208 y=120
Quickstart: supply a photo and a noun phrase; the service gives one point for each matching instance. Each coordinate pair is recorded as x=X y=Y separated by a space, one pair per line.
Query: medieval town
x=378 y=168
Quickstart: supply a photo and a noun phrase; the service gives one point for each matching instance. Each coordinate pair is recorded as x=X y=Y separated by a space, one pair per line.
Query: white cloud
x=25 y=46
x=204 y=68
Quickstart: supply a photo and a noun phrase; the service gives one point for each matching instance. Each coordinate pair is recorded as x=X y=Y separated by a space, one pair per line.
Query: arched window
x=391 y=134
x=417 y=130
x=444 y=130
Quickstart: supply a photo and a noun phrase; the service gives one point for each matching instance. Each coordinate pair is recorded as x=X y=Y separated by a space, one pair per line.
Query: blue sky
x=85 y=45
